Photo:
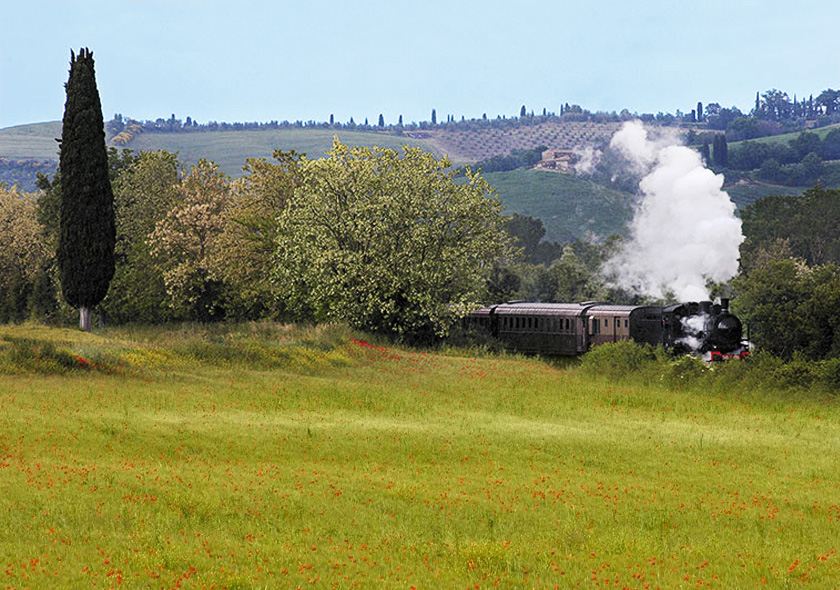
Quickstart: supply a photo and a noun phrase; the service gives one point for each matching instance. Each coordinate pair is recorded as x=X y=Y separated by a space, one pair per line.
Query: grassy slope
x=351 y=465
x=31 y=142
x=568 y=205
x=786 y=137
x=229 y=149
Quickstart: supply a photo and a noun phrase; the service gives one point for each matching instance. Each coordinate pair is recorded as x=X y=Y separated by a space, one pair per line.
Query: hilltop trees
x=87 y=227
x=387 y=242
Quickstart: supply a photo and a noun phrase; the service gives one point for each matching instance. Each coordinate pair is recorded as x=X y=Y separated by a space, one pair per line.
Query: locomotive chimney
x=724 y=303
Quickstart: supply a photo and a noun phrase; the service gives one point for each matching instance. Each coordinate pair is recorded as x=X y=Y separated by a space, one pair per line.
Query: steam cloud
x=684 y=232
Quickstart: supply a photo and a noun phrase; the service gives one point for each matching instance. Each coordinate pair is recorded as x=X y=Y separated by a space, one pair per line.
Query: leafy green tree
x=251 y=232
x=574 y=281
x=144 y=193
x=808 y=171
x=808 y=224
x=805 y=143
x=87 y=227
x=775 y=105
x=387 y=242
x=791 y=308
x=828 y=101
x=830 y=148
x=771 y=171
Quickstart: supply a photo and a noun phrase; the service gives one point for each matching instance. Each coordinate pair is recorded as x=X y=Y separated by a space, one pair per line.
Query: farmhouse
x=557 y=159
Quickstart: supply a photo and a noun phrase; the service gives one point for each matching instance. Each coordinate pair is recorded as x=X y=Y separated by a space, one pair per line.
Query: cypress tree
x=87 y=230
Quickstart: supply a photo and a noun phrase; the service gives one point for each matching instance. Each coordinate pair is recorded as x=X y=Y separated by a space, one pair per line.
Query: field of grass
x=229 y=149
x=569 y=206
x=31 y=142
x=262 y=456
x=787 y=137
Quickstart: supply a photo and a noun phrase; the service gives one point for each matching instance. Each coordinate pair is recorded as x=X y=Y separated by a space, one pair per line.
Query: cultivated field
x=260 y=456
x=569 y=206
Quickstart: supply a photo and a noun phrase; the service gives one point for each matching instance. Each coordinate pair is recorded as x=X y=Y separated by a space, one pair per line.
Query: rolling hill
x=569 y=206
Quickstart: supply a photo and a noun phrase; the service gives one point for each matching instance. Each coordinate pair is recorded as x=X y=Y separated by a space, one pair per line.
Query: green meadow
x=267 y=456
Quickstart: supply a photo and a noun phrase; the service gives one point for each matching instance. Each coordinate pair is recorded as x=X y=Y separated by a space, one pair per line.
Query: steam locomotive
x=702 y=328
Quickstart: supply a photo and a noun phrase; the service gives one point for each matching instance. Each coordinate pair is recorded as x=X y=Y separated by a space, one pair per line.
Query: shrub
x=620 y=359
x=685 y=371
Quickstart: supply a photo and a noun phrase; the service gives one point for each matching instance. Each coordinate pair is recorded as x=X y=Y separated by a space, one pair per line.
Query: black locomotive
x=703 y=328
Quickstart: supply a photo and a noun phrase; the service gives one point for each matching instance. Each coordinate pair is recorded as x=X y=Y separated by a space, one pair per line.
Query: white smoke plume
x=684 y=232
x=693 y=328
x=587 y=159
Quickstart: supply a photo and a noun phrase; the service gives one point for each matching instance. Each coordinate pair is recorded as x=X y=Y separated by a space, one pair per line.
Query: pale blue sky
x=254 y=60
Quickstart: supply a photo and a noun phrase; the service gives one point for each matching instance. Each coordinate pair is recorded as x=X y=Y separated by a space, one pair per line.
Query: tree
x=434 y=117
x=144 y=193
x=805 y=143
x=705 y=152
x=700 y=112
x=808 y=224
x=23 y=254
x=388 y=242
x=791 y=308
x=185 y=244
x=381 y=120
x=87 y=227
x=720 y=151
x=250 y=232
x=522 y=111
x=828 y=102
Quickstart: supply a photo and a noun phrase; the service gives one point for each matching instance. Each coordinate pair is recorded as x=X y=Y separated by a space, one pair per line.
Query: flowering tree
x=185 y=243
x=387 y=242
x=24 y=250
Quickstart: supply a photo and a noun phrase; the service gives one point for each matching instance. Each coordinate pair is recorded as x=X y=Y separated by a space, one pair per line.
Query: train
x=702 y=328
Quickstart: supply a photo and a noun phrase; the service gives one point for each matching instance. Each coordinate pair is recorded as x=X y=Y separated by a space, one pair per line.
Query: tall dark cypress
x=87 y=231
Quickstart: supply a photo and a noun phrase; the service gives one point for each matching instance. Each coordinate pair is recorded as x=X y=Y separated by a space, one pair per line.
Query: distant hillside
x=30 y=142
x=569 y=206
x=230 y=149
x=480 y=140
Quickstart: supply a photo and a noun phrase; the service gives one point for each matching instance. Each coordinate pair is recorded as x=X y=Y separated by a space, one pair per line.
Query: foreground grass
x=266 y=457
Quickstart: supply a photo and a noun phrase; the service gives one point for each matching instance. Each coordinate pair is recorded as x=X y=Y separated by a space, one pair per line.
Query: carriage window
x=606 y=322
x=626 y=323
x=568 y=324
